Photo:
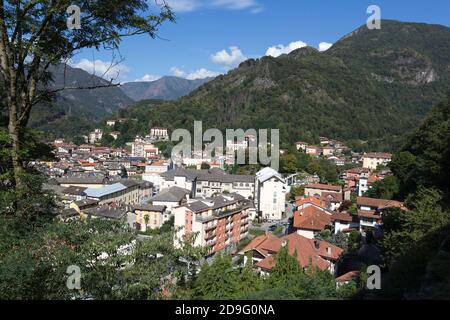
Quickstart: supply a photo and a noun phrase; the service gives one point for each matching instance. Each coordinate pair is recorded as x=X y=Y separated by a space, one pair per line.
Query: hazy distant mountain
x=74 y=110
x=166 y=88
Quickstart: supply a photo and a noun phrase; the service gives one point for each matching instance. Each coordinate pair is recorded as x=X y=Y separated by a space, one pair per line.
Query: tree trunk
x=14 y=134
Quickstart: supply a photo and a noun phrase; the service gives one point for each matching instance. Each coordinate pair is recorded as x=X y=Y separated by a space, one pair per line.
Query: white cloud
x=235 y=4
x=231 y=59
x=193 y=5
x=202 y=74
x=324 y=46
x=148 y=78
x=281 y=49
x=104 y=69
x=184 y=5
x=177 y=72
x=197 y=74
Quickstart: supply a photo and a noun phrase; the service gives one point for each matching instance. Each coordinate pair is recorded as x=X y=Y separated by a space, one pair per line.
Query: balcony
x=210 y=235
x=210 y=227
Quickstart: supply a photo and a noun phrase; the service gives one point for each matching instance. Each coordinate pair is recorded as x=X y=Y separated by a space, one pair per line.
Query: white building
x=143 y=148
x=153 y=173
x=374 y=159
x=159 y=133
x=95 y=136
x=270 y=198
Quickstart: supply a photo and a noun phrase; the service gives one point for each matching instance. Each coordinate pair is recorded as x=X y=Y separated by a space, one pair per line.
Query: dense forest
x=370 y=88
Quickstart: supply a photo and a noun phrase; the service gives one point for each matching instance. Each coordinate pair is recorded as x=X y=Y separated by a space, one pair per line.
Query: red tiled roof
x=378 y=203
x=333 y=196
x=302 y=200
x=324 y=187
x=304 y=249
x=368 y=214
x=342 y=217
x=311 y=218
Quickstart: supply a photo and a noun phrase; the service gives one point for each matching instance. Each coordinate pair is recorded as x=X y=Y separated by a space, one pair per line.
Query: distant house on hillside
x=373 y=159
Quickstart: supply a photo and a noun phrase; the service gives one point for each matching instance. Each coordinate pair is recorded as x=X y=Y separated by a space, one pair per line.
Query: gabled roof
x=172 y=194
x=371 y=214
x=311 y=218
x=75 y=191
x=101 y=192
x=268 y=173
x=320 y=186
x=303 y=200
x=150 y=208
x=342 y=217
x=379 y=203
x=306 y=251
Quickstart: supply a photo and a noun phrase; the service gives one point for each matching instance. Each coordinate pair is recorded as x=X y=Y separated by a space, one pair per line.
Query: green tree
x=216 y=281
x=388 y=188
x=34 y=37
x=205 y=166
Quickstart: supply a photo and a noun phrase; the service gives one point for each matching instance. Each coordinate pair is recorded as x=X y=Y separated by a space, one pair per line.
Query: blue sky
x=213 y=36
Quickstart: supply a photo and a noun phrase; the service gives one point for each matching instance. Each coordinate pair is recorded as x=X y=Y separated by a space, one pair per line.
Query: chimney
x=329 y=251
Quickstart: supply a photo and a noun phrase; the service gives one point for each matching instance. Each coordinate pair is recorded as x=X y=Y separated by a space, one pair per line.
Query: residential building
x=370 y=210
x=270 y=194
x=373 y=159
x=153 y=172
x=313 y=150
x=300 y=145
x=311 y=219
x=308 y=252
x=352 y=176
x=123 y=192
x=159 y=133
x=95 y=136
x=318 y=189
x=220 y=223
x=327 y=151
x=143 y=148
x=171 y=197
x=344 y=222
x=149 y=216
x=217 y=182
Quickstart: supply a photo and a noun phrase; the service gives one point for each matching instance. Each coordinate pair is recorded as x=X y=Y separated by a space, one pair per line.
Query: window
x=275 y=200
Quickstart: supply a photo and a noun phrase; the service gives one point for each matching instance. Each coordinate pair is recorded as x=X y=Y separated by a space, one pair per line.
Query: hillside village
x=247 y=216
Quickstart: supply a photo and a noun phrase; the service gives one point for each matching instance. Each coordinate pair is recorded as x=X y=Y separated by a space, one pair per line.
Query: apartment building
x=270 y=193
x=206 y=183
x=149 y=217
x=143 y=148
x=217 y=182
x=373 y=159
x=219 y=222
x=123 y=192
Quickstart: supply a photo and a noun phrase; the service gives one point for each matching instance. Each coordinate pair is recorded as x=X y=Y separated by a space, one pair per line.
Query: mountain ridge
x=165 y=88
x=372 y=85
